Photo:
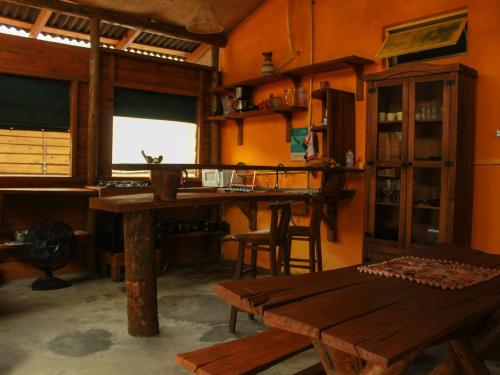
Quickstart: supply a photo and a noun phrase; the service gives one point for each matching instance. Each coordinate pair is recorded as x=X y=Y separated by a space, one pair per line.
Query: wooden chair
x=310 y=234
x=264 y=240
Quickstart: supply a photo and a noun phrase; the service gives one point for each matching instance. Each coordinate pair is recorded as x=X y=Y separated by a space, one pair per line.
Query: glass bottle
x=288 y=98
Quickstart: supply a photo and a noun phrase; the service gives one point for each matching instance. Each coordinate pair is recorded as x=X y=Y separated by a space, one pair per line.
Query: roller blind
x=28 y=103
x=424 y=38
x=155 y=106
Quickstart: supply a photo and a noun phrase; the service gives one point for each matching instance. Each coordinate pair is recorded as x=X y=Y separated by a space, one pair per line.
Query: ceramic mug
x=399 y=116
x=382 y=116
x=391 y=116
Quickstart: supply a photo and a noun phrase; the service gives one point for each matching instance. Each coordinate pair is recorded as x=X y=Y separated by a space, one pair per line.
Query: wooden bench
x=248 y=355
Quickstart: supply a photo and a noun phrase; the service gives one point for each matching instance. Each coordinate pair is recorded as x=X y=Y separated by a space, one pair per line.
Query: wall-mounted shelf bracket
x=249 y=209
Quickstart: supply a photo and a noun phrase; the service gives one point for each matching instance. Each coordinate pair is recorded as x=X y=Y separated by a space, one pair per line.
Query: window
x=156 y=123
x=428 y=39
x=34 y=126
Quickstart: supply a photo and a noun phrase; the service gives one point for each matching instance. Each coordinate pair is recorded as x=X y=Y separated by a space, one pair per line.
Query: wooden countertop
x=142 y=202
x=55 y=190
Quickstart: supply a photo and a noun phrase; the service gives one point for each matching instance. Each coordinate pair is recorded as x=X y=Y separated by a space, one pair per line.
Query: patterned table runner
x=444 y=274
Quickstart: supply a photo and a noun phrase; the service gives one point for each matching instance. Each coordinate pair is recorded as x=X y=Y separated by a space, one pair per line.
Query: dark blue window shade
x=33 y=103
x=155 y=106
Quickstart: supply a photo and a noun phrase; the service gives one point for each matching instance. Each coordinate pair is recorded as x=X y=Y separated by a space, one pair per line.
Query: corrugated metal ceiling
x=82 y=25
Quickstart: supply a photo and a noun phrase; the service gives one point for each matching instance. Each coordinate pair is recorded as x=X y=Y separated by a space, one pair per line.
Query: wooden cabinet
x=338 y=130
x=419 y=150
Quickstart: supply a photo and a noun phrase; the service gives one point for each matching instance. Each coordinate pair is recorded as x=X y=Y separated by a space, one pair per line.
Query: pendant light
x=204 y=20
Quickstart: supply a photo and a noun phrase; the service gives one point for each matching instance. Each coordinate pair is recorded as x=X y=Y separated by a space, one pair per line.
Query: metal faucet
x=276 y=179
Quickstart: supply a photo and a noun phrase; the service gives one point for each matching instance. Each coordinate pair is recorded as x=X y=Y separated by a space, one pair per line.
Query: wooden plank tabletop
x=378 y=319
x=143 y=202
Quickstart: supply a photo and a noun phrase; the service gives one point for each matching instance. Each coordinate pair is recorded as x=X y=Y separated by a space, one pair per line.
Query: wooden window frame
x=43 y=180
x=420 y=22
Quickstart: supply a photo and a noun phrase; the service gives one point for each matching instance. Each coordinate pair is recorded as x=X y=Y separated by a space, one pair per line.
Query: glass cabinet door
x=389 y=123
x=426 y=205
x=388 y=204
x=387 y=178
x=426 y=153
x=427 y=129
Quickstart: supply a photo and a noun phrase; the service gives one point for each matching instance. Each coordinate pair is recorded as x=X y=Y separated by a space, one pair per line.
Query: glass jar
x=288 y=97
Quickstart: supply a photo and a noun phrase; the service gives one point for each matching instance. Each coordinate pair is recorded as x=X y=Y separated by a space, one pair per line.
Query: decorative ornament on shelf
x=267 y=66
x=204 y=20
x=152 y=160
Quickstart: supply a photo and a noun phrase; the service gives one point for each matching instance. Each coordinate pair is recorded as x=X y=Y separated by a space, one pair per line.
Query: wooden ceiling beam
x=77 y=35
x=16 y=23
x=167 y=51
x=128 y=39
x=198 y=53
x=40 y=22
x=124 y=19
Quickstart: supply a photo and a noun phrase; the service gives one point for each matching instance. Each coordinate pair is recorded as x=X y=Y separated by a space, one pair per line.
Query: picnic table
x=361 y=323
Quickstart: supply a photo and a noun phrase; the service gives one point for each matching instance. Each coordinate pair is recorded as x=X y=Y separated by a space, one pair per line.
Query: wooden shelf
x=395 y=122
x=391 y=204
x=239 y=117
x=426 y=207
x=356 y=63
x=440 y=121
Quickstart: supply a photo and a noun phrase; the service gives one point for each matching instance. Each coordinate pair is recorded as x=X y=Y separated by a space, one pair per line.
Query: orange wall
x=355 y=27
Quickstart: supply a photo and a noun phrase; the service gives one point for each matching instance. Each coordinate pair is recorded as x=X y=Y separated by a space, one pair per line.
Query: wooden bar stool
x=261 y=240
x=310 y=234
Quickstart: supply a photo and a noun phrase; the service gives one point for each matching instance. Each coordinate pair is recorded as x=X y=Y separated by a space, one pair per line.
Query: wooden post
x=201 y=115
x=140 y=274
x=92 y=142
x=93 y=117
x=214 y=126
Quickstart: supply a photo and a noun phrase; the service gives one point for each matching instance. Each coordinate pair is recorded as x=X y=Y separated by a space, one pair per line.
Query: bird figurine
x=152 y=160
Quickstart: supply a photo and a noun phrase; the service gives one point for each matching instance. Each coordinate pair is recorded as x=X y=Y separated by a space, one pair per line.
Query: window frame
x=421 y=22
x=44 y=180
x=193 y=180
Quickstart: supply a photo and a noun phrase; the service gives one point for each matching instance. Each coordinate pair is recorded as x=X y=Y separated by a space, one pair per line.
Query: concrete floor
x=83 y=330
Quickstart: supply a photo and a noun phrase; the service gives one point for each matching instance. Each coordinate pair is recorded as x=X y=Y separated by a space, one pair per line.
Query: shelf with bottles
x=356 y=63
x=238 y=117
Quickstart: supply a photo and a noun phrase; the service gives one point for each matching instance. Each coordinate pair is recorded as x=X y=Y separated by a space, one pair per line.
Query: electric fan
x=49 y=246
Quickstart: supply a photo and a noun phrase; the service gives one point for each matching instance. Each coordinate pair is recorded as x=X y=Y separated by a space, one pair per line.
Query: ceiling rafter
x=82 y=36
x=128 y=39
x=125 y=19
x=40 y=22
x=198 y=53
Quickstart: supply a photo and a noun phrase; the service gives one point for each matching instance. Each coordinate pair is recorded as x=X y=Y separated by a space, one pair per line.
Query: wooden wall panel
x=36 y=58
x=42 y=59
x=146 y=75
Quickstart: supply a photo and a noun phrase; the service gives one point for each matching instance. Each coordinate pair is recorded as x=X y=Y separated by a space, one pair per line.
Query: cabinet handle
x=448 y=163
x=370 y=163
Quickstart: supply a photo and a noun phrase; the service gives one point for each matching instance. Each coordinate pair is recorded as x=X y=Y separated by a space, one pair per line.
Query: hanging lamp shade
x=204 y=20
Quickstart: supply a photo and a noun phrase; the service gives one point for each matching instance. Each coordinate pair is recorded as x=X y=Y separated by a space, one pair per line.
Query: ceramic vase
x=267 y=65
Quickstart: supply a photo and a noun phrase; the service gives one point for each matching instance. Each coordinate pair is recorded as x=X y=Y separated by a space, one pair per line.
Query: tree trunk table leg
x=446 y=367
x=140 y=275
x=396 y=368
x=337 y=362
x=466 y=359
